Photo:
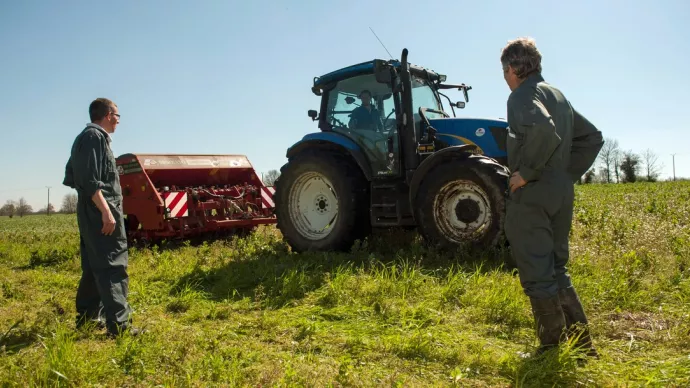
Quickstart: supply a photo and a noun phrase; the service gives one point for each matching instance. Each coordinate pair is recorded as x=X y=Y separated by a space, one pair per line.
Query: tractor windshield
x=424 y=96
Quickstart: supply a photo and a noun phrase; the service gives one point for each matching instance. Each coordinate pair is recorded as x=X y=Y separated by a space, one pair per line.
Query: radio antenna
x=384 y=47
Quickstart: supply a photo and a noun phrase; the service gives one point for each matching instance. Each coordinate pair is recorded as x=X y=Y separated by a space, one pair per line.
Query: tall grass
x=248 y=312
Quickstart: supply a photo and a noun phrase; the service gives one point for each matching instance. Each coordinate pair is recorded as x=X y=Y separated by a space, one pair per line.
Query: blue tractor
x=395 y=159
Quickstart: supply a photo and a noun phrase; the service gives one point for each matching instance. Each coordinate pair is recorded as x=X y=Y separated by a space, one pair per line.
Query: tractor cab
x=364 y=103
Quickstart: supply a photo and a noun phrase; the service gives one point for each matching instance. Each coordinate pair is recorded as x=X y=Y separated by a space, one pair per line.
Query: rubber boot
x=576 y=320
x=550 y=322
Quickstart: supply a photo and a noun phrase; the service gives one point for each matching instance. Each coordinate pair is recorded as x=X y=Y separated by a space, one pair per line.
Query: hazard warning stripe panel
x=267 y=197
x=176 y=202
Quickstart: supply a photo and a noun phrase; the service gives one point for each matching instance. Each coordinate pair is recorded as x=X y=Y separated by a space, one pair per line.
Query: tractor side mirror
x=467 y=98
x=349 y=100
x=460 y=105
x=313 y=114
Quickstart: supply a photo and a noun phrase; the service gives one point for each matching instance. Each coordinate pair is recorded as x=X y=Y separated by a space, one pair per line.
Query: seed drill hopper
x=181 y=196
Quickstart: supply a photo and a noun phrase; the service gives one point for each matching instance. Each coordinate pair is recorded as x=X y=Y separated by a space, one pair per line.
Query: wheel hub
x=321 y=203
x=467 y=210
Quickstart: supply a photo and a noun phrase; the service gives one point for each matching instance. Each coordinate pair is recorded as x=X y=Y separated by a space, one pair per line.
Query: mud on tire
x=462 y=203
x=315 y=187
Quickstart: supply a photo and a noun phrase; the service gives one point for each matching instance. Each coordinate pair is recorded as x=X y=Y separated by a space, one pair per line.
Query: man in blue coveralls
x=92 y=172
x=366 y=117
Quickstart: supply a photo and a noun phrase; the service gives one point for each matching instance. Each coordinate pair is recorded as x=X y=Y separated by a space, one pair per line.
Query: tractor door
x=363 y=110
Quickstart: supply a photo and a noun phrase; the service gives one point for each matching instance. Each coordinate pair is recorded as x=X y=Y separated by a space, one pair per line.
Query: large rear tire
x=462 y=203
x=322 y=202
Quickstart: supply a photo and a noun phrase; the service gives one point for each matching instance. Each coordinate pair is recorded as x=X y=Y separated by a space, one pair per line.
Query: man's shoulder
x=523 y=94
x=92 y=133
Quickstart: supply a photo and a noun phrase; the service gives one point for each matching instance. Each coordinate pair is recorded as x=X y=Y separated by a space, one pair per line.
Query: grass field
x=391 y=313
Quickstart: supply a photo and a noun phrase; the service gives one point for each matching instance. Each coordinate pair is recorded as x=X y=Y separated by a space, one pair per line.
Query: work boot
x=550 y=322
x=576 y=321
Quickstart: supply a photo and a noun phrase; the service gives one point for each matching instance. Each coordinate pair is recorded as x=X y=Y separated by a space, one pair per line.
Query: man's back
x=537 y=93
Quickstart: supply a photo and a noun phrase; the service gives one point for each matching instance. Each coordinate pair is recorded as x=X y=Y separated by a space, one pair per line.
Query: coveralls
x=552 y=146
x=363 y=119
x=104 y=259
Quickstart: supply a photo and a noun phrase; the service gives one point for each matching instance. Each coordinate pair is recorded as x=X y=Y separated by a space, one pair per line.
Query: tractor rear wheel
x=322 y=202
x=462 y=203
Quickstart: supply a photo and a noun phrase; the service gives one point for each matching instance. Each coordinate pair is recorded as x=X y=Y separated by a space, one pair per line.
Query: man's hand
x=106 y=214
x=516 y=181
x=108 y=222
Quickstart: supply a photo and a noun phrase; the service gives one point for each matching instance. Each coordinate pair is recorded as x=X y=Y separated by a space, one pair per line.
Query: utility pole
x=674 y=166
x=48 y=207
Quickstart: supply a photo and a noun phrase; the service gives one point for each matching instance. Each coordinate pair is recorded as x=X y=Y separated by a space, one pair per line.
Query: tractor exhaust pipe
x=410 y=133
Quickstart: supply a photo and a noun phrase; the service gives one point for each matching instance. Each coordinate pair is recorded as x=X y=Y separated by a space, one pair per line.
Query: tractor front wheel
x=462 y=203
x=321 y=202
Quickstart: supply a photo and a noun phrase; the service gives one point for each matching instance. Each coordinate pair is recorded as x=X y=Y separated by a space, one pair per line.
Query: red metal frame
x=208 y=193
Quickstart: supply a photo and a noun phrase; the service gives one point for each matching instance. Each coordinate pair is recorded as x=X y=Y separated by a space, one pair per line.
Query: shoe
x=550 y=322
x=576 y=320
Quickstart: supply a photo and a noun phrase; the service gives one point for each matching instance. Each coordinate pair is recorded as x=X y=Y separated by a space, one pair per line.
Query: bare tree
x=608 y=157
x=69 y=203
x=24 y=207
x=651 y=165
x=270 y=177
x=618 y=156
x=8 y=209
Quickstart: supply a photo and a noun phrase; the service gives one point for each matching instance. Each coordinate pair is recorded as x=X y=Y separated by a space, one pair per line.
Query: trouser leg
x=88 y=299
x=560 y=226
x=108 y=259
x=575 y=317
x=529 y=230
x=113 y=282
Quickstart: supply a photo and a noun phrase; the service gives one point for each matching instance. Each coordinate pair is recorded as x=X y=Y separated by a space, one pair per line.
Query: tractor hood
x=487 y=134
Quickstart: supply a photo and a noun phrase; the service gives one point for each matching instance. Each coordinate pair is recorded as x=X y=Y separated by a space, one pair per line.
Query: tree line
x=22 y=208
x=615 y=165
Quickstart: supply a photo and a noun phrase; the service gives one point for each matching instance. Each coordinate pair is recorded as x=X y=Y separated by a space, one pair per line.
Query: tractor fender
x=438 y=157
x=335 y=142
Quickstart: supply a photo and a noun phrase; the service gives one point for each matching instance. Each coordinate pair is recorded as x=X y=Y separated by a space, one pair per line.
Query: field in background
x=248 y=312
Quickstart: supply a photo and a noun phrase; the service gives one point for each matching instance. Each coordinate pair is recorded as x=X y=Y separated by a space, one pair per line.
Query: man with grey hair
x=550 y=146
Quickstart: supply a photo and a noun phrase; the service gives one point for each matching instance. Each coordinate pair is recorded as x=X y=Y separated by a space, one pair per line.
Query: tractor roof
x=368 y=68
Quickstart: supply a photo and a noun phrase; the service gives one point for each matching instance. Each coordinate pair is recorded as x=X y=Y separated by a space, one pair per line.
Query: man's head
x=520 y=58
x=365 y=96
x=104 y=112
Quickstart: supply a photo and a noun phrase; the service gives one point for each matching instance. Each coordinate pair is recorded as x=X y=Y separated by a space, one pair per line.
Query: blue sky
x=194 y=77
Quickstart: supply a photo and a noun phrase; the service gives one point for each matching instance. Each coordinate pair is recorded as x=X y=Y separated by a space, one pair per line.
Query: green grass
x=248 y=312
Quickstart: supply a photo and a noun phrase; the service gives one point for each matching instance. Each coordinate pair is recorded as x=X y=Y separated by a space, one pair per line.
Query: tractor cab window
x=362 y=109
x=423 y=96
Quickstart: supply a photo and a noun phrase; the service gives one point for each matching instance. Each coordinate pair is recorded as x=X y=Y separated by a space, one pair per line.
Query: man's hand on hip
x=108 y=222
x=516 y=181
